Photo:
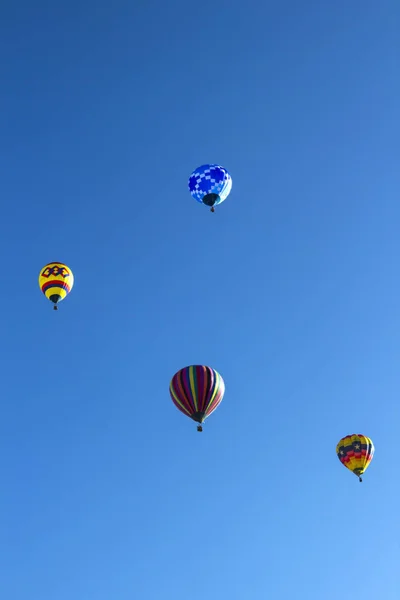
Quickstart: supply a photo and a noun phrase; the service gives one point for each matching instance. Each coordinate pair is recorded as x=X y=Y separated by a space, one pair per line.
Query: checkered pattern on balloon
x=208 y=180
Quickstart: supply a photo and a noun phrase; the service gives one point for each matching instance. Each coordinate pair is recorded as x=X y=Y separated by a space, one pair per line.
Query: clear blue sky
x=290 y=290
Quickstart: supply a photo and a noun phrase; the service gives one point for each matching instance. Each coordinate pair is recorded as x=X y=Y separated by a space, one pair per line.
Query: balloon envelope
x=355 y=452
x=197 y=391
x=210 y=184
x=56 y=281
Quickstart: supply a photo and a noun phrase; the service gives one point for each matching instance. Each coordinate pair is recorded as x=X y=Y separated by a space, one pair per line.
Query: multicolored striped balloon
x=355 y=452
x=56 y=281
x=197 y=391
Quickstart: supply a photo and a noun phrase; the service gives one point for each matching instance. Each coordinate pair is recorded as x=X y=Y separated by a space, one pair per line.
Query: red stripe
x=62 y=284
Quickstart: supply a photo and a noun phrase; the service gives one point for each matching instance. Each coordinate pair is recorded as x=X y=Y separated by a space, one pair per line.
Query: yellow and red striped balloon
x=56 y=281
x=355 y=452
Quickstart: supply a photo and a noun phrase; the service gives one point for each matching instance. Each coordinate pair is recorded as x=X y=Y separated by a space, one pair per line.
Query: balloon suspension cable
x=199 y=428
x=360 y=479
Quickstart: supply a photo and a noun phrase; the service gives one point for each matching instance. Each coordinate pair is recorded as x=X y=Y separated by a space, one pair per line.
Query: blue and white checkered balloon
x=210 y=179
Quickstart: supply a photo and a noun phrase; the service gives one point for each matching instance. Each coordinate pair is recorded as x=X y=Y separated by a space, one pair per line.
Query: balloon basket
x=199 y=428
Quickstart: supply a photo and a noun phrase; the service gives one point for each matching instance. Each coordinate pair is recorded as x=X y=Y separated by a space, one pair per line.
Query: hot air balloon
x=56 y=281
x=210 y=185
x=355 y=452
x=197 y=391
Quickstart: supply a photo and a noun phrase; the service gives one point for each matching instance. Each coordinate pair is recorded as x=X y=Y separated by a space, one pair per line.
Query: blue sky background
x=290 y=290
